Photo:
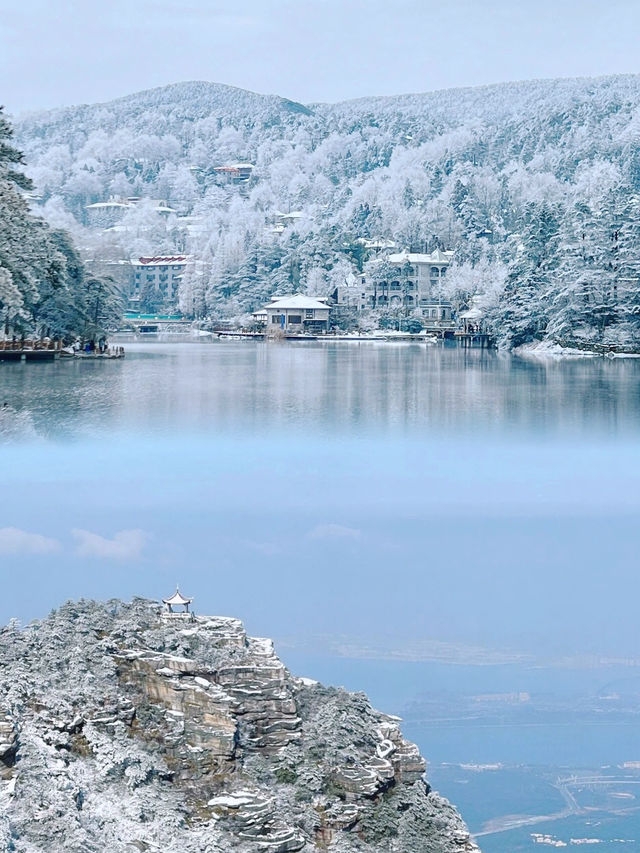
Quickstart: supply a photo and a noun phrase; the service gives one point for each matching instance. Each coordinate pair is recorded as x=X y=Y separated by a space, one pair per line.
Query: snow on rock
x=120 y=730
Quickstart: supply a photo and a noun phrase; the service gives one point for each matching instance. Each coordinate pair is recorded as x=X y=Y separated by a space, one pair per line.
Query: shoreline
x=552 y=350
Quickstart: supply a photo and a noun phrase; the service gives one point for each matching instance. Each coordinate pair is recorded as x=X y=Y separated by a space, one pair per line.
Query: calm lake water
x=359 y=495
x=356 y=387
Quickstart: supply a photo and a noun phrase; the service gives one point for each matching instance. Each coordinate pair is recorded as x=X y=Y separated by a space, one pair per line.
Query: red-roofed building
x=236 y=172
x=159 y=275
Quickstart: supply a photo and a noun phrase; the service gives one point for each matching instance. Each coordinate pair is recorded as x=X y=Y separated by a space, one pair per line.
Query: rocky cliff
x=123 y=728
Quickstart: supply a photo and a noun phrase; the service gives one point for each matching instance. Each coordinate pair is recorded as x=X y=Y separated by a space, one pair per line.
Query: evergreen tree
x=43 y=291
x=59 y=309
x=104 y=305
x=522 y=315
x=627 y=284
x=582 y=297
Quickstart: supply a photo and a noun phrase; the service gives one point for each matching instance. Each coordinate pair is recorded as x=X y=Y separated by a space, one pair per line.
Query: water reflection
x=351 y=387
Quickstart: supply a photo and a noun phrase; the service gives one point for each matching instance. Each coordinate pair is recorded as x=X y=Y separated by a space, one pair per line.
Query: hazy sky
x=527 y=545
x=54 y=53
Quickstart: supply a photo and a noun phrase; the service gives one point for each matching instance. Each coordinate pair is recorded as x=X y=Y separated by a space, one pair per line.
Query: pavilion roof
x=177 y=598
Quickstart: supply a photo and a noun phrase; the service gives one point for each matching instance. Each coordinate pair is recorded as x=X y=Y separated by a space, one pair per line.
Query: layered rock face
x=124 y=728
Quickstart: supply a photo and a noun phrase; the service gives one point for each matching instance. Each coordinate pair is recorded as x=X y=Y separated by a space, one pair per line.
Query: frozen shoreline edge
x=549 y=350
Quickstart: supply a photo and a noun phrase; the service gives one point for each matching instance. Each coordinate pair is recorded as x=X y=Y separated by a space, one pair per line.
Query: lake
x=357 y=388
x=399 y=517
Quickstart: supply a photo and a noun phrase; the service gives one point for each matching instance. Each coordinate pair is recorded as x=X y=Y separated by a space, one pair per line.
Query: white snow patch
x=233 y=801
x=551 y=350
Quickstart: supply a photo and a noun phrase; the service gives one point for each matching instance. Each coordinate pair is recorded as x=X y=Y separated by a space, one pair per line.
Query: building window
x=275 y=319
x=163 y=269
x=309 y=314
x=177 y=267
x=443 y=271
x=150 y=277
x=295 y=319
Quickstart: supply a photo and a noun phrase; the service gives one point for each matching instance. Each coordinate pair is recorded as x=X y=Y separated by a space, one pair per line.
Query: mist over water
x=383 y=493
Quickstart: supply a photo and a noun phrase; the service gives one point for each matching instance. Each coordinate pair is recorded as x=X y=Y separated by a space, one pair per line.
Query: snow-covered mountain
x=125 y=727
x=474 y=170
x=163 y=110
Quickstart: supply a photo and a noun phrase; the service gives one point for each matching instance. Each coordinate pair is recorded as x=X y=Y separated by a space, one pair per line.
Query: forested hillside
x=536 y=186
x=44 y=290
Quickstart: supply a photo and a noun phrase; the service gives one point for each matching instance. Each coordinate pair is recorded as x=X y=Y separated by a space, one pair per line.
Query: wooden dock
x=29 y=350
x=51 y=351
x=481 y=340
x=112 y=352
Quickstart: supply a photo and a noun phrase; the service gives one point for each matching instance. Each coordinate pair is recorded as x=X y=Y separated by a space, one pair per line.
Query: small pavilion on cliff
x=177 y=600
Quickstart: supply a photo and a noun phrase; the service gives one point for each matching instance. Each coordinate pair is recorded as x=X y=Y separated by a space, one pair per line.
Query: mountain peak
x=129 y=726
x=195 y=99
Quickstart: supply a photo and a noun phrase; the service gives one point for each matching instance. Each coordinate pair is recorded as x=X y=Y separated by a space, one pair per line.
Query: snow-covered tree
x=459 y=170
x=522 y=314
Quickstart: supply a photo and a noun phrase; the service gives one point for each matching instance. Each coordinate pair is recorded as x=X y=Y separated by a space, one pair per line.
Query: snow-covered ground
x=552 y=350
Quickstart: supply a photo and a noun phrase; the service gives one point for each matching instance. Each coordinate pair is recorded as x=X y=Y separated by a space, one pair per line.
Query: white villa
x=296 y=313
x=418 y=277
x=414 y=287
x=106 y=214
